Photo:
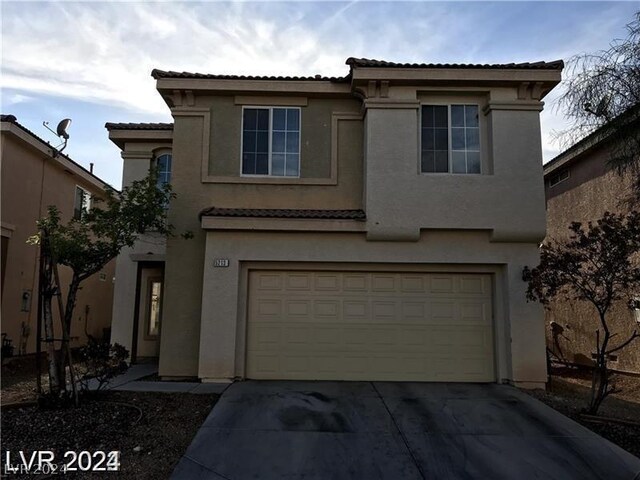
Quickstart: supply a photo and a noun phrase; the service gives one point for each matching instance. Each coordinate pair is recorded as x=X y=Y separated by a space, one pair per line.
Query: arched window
x=163 y=166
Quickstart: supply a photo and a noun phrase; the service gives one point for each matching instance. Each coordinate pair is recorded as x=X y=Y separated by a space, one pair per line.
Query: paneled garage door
x=369 y=326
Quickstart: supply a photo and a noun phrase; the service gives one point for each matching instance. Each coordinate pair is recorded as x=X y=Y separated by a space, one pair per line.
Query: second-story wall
x=506 y=197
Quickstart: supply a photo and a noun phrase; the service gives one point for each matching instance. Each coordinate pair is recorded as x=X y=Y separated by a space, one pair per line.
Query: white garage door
x=369 y=326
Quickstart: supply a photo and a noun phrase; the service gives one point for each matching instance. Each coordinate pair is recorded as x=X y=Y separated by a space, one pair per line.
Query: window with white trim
x=271 y=141
x=450 y=137
x=81 y=202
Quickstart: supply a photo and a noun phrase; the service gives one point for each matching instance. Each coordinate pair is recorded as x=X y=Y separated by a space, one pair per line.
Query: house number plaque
x=220 y=262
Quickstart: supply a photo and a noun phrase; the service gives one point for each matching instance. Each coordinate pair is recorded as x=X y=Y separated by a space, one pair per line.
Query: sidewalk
x=130 y=382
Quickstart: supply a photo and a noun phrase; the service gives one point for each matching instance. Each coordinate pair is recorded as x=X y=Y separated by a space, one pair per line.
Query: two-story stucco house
x=32 y=180
x=368 y=227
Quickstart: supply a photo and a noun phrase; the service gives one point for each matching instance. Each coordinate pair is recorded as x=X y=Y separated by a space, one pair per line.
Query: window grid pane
x=285 y=142
x=255 y=144
x=435 y=139
x=271 y=141
x=465 y=139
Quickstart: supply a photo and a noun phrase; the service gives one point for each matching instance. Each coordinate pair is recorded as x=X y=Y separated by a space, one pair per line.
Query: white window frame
x=449 y=149
x=270 y=108
x=86 y=197
x=557 y=175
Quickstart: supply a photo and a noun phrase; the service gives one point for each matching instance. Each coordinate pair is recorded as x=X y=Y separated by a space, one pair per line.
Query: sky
x=91 y=61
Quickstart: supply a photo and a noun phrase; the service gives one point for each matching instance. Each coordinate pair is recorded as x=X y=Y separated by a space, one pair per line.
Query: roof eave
x=167 y=87
x=121 y=136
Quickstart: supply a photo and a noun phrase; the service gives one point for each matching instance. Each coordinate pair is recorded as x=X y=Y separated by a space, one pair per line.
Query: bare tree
x=597 y=264
x=602 y=97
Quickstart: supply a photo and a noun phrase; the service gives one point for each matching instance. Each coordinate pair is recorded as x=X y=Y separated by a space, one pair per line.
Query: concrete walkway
x=380 y=430
x=130 y=382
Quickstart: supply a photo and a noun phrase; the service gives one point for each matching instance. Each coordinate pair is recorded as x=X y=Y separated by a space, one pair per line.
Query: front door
x=150 y=312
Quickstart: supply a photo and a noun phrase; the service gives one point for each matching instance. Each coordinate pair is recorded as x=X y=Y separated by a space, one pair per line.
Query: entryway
x=149 y=312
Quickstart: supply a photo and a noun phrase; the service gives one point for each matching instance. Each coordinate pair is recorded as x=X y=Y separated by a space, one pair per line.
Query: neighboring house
x=580 y=187
x=31 y=181
x=368 y=227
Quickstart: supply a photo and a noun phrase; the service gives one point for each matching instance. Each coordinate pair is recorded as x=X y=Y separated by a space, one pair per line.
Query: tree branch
x=622 y=345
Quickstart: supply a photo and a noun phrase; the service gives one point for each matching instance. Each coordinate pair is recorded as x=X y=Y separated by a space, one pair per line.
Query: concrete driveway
x=379 y=430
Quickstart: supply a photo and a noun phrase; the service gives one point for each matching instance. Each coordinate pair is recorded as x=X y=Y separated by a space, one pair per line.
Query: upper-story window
x=163 y=169
x=81 y=202
x=271 y=141
x=450 y=139
x=559 y=177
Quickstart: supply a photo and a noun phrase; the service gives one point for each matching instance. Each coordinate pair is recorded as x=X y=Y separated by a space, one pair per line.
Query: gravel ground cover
x=150 y=430
x=569 y=390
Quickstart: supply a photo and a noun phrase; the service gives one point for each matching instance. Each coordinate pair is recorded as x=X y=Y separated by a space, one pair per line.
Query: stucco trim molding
x=280 y=224
x=391 y=103
x=135 y=155
x=7 y=229
x=271 y=101
x=532 y=105
x=147 y=257
x=205 y=115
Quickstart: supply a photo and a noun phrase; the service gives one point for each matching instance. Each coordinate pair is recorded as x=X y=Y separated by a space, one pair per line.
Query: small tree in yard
x=598 y=264
x=86 y=245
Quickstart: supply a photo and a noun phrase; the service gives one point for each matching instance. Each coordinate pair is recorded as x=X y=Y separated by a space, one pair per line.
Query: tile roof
x=366 y=62
x=158 y=74
x=284 y=213
x=138 y=126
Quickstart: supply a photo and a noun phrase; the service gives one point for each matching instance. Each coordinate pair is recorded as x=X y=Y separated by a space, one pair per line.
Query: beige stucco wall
x=316 y=120
x=184 y=265
x=137 y=161
x=518 y=326
x=31 y=181
x=507 y=198
x=590 y=191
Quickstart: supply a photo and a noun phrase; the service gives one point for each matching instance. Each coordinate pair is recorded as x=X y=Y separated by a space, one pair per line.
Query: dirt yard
x=569 y=391
x=151 y=430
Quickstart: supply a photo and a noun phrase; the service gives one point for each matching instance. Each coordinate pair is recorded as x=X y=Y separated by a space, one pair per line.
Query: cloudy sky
x=91 y=61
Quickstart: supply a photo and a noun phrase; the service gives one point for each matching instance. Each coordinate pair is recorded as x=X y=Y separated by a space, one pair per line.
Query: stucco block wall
x=23 y=203
x=518 y=324
x=184 y=258
x=590 y=191
x=137 y=161
x=504 y=199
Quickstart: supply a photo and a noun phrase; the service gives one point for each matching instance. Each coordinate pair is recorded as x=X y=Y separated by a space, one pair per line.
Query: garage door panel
x=369 y=326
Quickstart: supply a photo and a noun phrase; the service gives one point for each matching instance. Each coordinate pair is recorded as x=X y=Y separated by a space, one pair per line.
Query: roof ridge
x=344 y=214
x=158 y=74
x=373 y=63
x=139 y=125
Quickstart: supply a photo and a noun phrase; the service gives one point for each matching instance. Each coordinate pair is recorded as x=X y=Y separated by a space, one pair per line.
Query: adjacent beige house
x=32 y=179
x=580 y=187
x=367 y=227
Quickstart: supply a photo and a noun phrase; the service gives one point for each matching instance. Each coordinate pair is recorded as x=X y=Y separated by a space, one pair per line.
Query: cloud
x=17 y=98
x=103 y=52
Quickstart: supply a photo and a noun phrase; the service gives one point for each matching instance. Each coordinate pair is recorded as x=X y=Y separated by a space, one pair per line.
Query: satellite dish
x=61 y=131
x=62 y=128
